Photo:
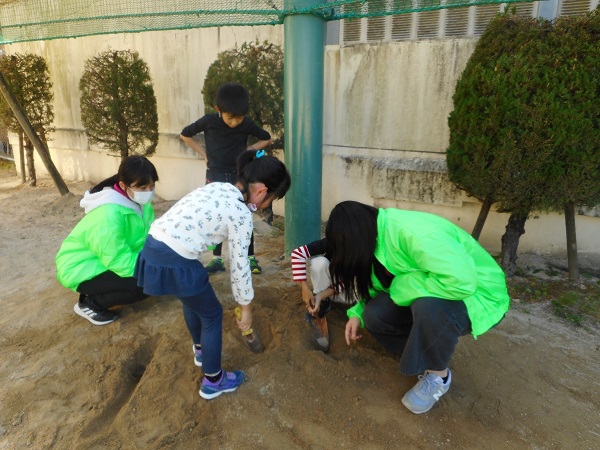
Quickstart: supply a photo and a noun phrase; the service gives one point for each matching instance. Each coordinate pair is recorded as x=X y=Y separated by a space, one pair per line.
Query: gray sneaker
x=426 y=392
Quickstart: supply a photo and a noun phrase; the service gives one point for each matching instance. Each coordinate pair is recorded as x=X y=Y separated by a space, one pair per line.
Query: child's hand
x=352 y=328
x=316 y=304
x=245 y=323
x=307 y=296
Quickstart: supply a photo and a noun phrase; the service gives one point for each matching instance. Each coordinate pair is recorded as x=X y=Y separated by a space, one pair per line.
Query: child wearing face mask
x=98 y=257
x=169 y=265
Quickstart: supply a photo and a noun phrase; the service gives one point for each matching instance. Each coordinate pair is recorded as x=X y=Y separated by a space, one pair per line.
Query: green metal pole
x=304 y=51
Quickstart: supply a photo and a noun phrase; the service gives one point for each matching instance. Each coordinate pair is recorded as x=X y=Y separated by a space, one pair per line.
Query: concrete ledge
x=418 y=180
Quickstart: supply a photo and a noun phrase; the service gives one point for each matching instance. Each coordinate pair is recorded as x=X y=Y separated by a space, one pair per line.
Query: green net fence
x=34 y=20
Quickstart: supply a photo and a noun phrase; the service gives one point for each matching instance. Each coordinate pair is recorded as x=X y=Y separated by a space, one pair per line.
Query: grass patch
x=7 y=165
x=577 y=302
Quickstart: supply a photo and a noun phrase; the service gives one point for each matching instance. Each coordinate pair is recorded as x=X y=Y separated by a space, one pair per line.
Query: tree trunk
x=483 y=213
x=22 y=158
x=510 y=242
x=268 y=214
x=30 y=163
x=571 y=241
x=123 y=135
x=32 y=135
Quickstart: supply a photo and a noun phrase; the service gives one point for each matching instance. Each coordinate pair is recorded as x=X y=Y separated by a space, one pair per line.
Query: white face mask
x=252 y=207
x=142 y=197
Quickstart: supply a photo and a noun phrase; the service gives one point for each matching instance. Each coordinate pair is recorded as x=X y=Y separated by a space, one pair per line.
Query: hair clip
x=260 y=154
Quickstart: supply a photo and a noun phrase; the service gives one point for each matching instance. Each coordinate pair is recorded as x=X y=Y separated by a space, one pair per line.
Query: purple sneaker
x=229 y=382
x=197 y=355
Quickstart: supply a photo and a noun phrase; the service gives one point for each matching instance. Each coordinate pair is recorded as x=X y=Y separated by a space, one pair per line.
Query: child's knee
x=319 y=264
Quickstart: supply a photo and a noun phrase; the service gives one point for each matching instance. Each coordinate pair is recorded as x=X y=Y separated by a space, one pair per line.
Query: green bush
x=525 y=130
x=118 y=105
x=259 y=68
x=28 y=78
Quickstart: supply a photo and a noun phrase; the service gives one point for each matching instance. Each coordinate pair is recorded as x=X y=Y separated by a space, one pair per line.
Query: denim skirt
x=159 y=270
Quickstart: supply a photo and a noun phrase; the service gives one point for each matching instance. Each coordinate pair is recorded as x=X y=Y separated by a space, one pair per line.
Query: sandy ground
x=531 y=383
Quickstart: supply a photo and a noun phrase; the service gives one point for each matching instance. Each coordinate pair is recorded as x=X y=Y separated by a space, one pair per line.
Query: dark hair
x=351 y=233
x=233 y=98
x=263 y=169
x=134 y=170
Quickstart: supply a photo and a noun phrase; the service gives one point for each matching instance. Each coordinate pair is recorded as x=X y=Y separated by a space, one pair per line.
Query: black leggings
x=109 y=289
x=423 y=334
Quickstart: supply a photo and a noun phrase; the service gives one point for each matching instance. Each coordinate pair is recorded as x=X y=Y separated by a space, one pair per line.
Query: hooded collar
x=108 y=195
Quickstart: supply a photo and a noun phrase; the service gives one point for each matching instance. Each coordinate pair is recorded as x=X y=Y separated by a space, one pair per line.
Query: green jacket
x=431 y=257
x=109 y=237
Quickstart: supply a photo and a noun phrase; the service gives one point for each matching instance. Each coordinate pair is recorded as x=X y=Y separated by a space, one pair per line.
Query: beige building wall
x=385 y=124
x=178 y=62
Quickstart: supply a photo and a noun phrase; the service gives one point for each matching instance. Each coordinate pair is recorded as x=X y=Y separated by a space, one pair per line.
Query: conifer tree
x=28 y=78
x=118 y=105
x=259 y=68
x=525 y=130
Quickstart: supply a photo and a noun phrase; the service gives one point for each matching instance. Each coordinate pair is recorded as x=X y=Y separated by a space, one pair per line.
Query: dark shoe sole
x=213 y=271
x=326 y=306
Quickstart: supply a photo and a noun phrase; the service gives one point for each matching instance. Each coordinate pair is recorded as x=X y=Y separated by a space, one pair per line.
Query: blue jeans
x=203 y=316
x=423 y=334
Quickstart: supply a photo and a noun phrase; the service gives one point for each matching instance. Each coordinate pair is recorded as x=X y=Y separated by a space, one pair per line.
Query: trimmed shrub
x=118 y=105
x=259 y=67
x=28 y=78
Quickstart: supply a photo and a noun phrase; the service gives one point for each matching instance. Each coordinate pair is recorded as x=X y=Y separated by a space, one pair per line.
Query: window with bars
x=376 y=25
x=352 y=27
x=457 y=21
x=574 y=7
x=483 y=15
x=449 y=23
x=428 y=24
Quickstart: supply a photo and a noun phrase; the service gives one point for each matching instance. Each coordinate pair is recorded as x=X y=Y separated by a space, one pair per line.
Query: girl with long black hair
x=423 y=282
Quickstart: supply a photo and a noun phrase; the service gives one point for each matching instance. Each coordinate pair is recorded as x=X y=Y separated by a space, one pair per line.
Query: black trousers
x=231 y=178
x=424 y=334
x=108 y=289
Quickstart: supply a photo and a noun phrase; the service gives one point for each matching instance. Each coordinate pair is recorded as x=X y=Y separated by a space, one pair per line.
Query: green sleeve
x=357 y=311
x=443 y=268
x=108 y=240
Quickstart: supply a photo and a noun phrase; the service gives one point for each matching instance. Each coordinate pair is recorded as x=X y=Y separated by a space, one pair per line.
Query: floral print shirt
x=206 y=217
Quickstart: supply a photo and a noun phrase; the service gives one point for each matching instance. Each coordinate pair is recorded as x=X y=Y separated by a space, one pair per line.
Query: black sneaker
x=325 y=307
x=254 y=267
x=103 y=317
x=215 y=265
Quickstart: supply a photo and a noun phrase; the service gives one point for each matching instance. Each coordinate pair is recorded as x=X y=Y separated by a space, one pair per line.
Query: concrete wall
x=385 y=124
x=385 y=136
x=178 y=62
